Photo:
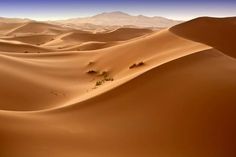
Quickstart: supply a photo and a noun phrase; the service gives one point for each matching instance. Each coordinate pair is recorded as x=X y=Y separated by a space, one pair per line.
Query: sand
x=121 y=93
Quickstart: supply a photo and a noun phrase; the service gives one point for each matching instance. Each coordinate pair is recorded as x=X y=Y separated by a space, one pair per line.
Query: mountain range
x=120 y=19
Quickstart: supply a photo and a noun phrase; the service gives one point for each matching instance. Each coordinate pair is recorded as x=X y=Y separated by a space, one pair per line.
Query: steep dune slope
x=70 y=69
x=172 y=110
x=216 y=32
x=157 y=95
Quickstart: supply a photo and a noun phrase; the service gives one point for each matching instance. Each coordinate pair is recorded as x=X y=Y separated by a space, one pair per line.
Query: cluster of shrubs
x=100 y=82
x=106 y=78
x=104 y=74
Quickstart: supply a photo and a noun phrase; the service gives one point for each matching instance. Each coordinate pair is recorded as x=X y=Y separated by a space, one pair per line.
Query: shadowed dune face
x=59 y=84
x=183 y=120
x=138 y=93
x=216 y=32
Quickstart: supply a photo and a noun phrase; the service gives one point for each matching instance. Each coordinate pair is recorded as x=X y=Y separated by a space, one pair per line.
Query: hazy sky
x=62 y=9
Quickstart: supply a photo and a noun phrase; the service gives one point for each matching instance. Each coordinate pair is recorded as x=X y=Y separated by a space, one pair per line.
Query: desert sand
x=127 y=92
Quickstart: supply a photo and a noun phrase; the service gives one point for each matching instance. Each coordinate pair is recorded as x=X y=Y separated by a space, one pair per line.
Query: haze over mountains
x=122 y=19
x=103 y=21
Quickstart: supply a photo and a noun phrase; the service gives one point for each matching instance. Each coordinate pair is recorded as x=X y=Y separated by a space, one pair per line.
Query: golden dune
x=126 y=92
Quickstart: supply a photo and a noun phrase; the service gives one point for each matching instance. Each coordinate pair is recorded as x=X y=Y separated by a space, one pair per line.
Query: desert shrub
x=98 y=83
x=140 y=63
x=105 y=79
x=136 y=65
x=92 y=72
x=133 y=66
x=109 y=79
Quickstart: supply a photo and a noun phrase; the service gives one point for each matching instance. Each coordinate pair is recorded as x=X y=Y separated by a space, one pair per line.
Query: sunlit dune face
x=116 y=85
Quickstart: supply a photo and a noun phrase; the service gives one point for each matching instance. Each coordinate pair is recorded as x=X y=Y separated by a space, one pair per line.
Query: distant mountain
x=121 y=19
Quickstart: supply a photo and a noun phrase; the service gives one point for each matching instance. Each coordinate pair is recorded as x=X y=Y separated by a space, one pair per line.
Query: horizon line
x=107 y=12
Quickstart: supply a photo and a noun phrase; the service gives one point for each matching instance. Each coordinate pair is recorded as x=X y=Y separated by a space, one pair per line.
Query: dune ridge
x=164 y=93
x=104 y=61
x=201 y=30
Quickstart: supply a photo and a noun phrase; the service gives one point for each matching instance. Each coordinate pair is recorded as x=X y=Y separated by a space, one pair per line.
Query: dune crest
x=219 y=33
x=125 y=92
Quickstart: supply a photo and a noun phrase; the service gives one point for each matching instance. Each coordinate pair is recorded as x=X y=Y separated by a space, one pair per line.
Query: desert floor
x=128 y=92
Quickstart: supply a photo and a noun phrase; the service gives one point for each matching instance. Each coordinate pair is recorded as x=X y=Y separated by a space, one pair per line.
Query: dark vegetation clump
x=103 y=75
x=140 y=64
x=98 y=83
x=135 y=65
x=109 y=79
x=92 y=72
x=105 y=78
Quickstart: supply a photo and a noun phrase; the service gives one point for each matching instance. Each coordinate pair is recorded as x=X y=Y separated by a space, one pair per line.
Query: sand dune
x=79 y=63
x=12 y=46
x=62 y=38
x=120 y=34
x=36 y=28
x=91 y=45
x=7 y=27
x=166 y=93
x=99 y=40
x=35 y=39
x=201 y=30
